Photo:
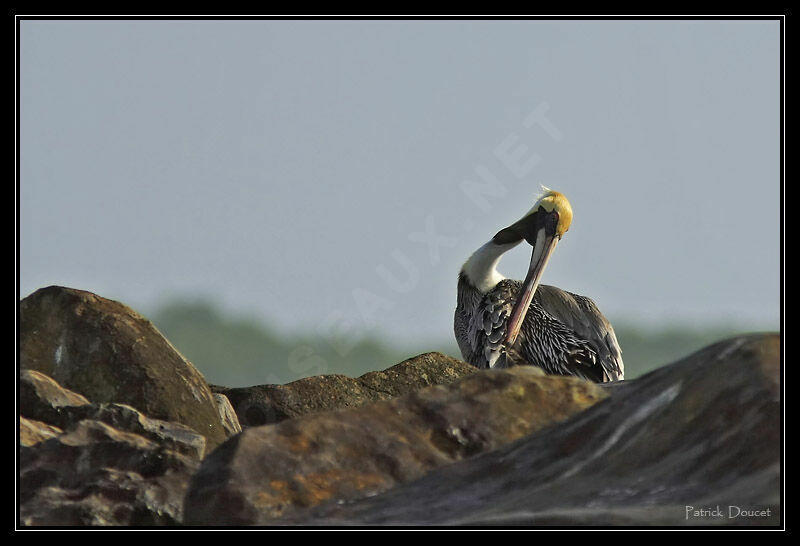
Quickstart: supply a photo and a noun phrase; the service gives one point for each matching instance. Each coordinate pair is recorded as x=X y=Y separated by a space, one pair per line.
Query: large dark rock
x=669 y=448
x=95 y=474
x=106 y=352
x=271 y=471
x=264 y=404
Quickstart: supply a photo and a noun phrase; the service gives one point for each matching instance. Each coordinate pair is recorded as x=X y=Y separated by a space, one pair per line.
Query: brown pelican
x=501 y=322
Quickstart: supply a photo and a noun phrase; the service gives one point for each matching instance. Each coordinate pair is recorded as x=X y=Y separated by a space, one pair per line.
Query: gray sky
x=335 y=175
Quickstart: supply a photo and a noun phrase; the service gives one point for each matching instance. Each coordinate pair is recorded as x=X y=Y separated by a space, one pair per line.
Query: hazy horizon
x=333 y=176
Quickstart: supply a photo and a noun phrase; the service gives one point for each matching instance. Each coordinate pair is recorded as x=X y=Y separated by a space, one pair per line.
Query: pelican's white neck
x=481 y=268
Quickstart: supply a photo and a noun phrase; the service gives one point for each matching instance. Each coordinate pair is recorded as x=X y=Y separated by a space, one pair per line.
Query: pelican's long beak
x=542 y=249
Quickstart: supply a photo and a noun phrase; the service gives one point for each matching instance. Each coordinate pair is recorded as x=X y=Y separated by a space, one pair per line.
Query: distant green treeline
x=238 y=351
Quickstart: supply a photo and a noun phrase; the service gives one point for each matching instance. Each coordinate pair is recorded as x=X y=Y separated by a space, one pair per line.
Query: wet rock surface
x=108 y=353
x=703 y=433
x=265 y=404
x=272 y=471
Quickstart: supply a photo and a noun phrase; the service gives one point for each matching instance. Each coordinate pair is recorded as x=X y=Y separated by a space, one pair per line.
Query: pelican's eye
x=551 y=223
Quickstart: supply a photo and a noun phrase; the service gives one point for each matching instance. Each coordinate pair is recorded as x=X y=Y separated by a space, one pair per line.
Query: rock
x=702 y=433
x=95 y=474
x=111 y=464
x=415 y=373
x=42 y=398
x=271 y=471
x=264 y=404
x=108 y=353
x=230 y=422
x=166 y=434
x=32 y=432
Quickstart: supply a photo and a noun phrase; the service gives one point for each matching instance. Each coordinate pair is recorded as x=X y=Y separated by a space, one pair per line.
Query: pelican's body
x=501 y=322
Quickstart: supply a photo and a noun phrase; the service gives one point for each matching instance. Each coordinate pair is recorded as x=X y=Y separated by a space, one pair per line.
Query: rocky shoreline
x=116 y=428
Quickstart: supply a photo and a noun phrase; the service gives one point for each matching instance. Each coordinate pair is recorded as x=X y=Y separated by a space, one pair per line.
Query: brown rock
x=32 y=432
x=230 y=422
x=43 y=399
x=270 y=471
x=415 y=373
x=703 y=432
x=264 y=404
x=95 y=474
x=108 y=353
x=166 y=434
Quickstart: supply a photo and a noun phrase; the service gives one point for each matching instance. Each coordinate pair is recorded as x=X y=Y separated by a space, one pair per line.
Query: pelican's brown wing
x=580 y=315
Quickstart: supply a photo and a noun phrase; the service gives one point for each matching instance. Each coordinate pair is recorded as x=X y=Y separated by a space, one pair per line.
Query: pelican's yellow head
x=551 y=214
x=555 y=202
